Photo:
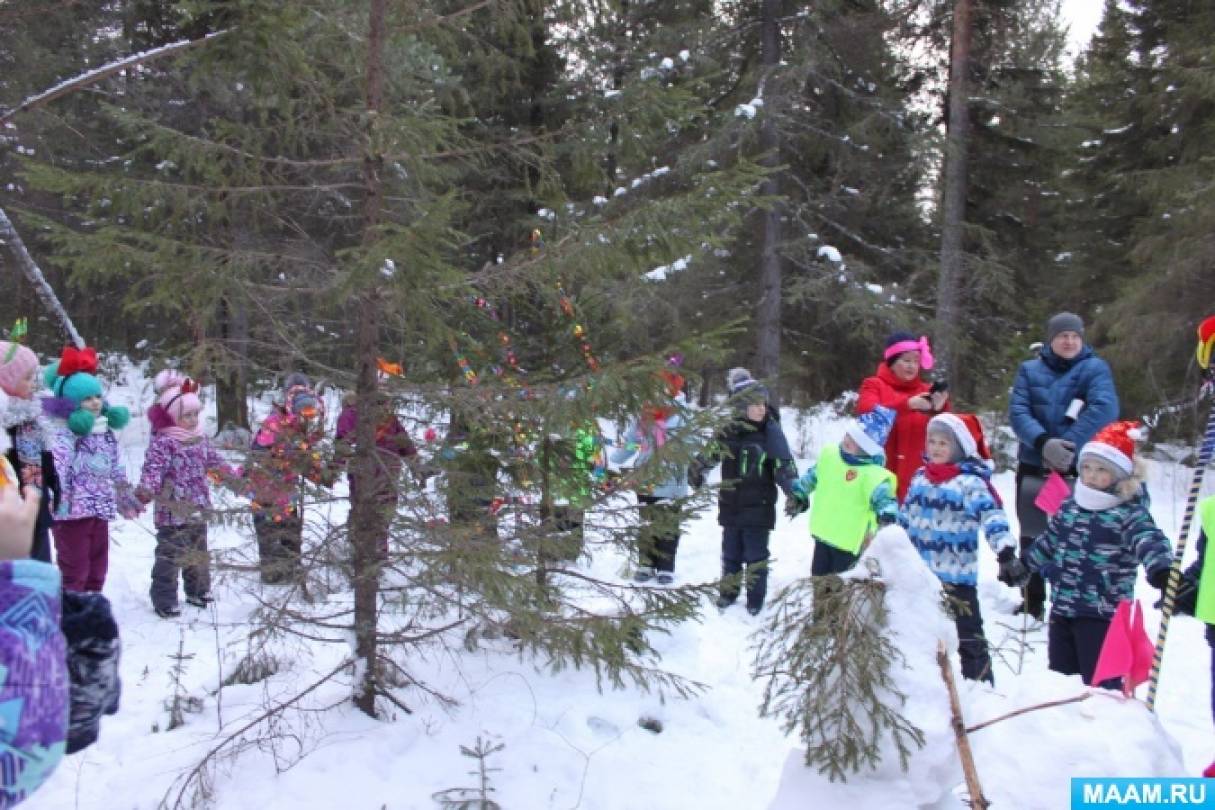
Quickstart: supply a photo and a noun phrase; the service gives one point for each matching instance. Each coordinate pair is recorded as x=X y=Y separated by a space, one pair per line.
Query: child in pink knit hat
x=29 y=452
x=177 y=470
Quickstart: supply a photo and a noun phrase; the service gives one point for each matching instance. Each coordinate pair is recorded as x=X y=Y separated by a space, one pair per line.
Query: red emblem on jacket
x=850 y=475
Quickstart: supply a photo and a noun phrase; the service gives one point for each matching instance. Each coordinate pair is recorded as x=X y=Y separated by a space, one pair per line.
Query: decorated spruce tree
x=323 y=167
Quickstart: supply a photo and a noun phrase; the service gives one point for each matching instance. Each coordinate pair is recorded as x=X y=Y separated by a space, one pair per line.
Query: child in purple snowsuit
x=93 y=485
x=177 y=470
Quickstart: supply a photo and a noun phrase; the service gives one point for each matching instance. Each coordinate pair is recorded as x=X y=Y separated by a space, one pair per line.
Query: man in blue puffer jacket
x=1059 y=401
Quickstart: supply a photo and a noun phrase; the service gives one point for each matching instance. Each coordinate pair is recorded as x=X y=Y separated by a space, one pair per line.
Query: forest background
x=551 y=188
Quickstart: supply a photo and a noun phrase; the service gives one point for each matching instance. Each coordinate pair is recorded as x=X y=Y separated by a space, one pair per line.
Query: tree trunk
x=768 y=313
x=362 y=525
x=953 y=193
x=617 y=83
x=232 y=380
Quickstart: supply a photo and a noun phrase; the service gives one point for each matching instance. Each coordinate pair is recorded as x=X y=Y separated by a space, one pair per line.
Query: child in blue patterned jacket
x=1092 y=549
x=949 y=500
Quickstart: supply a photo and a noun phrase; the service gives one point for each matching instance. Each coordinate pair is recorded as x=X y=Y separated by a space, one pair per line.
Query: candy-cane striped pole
x=1205 y=451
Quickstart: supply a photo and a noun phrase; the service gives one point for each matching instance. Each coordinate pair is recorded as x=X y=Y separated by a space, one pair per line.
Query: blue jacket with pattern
x=1044 y=389
x=943 y=520
x=1091 y=556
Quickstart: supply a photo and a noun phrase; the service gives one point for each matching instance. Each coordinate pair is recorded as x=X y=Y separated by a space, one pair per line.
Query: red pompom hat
x=1206 y=342
x=1116 y=444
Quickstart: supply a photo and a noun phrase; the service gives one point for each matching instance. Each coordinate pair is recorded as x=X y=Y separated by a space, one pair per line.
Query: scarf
x=183 y=436
x=940 y=473
x=1094 y=500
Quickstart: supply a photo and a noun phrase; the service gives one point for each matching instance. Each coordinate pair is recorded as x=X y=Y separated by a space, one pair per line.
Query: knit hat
x=166 y=379
x=870 y=430
x=17 y=362
x=1114 y=443
x=72 y=375
x=737 y=378
x=300 y=400
x=178 y=400
x=1063 y=322
x=900 y=343
x=1206 y=342
x=966 y=431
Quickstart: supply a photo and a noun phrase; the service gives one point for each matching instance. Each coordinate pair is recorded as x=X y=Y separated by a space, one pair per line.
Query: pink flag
x=1053 y=493
x=1127 y=651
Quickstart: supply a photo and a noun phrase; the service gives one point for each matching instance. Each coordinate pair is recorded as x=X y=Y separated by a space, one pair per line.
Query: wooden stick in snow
x=1027 y=709
x=959 y=731
x=9 y=235
x=97 y=74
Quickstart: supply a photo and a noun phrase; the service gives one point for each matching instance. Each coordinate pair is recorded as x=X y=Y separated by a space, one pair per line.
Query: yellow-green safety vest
x=842 y=516
x=1206 y=584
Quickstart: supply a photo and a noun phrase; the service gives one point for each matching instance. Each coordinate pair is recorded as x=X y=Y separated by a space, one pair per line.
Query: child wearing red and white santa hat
x=949 y=500
x=1092 y=549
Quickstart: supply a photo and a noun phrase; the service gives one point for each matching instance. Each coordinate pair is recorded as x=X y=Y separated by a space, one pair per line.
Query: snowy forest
x=492 y=235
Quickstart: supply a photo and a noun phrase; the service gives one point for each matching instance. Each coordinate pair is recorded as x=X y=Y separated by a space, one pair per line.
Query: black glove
x=794 y=505
x=1159 y=579
x=1185 y=601
x=1059 y=454
x=1013 y=572
x=696 y=475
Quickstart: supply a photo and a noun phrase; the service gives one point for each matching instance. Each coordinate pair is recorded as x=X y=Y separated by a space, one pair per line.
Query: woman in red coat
x=897 y=385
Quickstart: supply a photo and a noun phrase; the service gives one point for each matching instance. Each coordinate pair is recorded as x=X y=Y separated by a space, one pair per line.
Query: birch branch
x=97 y=74
x=31 y=270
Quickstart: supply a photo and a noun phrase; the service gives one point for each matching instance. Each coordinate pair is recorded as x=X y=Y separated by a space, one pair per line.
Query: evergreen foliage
x=826 y=661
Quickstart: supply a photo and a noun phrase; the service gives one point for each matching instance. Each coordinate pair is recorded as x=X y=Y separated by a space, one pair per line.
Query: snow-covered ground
x=566 y=745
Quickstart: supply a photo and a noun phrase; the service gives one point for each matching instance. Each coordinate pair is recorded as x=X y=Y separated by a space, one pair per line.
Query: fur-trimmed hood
x=1133 y=484
x=15 y=411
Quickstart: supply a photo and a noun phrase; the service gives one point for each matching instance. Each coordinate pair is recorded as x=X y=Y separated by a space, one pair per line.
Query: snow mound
x=916 y=624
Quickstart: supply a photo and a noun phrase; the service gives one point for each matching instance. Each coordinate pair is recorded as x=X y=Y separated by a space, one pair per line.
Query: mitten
x=1059 y=454
x=1185 y=601
x=796 y=505
x=1012 y=571
x=696 y=475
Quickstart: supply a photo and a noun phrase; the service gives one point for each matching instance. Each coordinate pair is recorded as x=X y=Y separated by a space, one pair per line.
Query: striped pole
x=1205 y=451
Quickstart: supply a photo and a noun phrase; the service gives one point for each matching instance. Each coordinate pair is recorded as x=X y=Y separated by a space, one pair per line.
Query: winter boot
x=168 y=612
x=644 y=573
x=200 y=600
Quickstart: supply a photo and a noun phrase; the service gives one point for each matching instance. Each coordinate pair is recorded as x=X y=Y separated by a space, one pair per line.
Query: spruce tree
x=330 y=183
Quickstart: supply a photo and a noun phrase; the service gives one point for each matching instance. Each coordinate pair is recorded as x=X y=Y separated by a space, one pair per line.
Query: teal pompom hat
x=77 y=386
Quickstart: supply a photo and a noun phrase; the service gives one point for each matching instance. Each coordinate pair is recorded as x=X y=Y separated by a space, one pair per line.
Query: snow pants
x=279 y=544
x=744 y=546
x=658 y=538
x=568 y=540
x=180 y=551
x=972 y=643
x=830 y=560
x=1033 y=522
x=82 y=548
x=1074 y=645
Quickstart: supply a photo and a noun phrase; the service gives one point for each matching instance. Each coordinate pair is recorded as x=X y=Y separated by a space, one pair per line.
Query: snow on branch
x=9 y=236
x=97 y=74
